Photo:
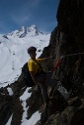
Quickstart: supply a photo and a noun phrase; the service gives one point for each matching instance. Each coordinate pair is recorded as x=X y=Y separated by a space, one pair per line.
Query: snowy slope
x=13 y=51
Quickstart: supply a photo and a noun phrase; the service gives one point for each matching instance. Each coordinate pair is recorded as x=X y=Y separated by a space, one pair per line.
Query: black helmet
x=31 y=49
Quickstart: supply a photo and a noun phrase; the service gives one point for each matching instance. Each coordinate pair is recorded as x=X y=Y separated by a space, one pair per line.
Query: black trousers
x=45 y=80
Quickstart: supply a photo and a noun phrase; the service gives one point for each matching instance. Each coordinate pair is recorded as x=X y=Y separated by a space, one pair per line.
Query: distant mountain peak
x=30 y=28
x=33 y=27
x=24 y=31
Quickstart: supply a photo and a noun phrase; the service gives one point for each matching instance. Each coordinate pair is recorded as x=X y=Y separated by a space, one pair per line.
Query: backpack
x=26 y=76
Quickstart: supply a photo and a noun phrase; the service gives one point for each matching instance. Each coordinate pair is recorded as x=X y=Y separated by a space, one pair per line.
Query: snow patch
x=9 y=121
x=10 y=91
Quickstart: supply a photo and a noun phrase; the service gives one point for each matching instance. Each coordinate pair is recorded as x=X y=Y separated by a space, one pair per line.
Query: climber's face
x=33 y=54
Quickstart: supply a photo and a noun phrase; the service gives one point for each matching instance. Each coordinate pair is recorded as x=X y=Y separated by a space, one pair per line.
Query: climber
x=36 y=72
x=39 y=77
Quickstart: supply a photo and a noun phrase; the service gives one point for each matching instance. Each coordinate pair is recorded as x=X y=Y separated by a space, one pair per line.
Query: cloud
x=29 y=4
x=25 y=11
x=33 y=3
x=20 y=19
x=21 y=16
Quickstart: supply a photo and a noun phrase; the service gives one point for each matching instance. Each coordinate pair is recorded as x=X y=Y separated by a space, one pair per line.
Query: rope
x=63 y=56
x=72 y=54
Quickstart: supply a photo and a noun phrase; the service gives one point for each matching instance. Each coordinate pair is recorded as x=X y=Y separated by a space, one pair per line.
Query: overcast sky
x=17 y=13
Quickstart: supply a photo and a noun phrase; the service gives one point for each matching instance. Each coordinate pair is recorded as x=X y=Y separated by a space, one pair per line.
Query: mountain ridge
x=24 y=31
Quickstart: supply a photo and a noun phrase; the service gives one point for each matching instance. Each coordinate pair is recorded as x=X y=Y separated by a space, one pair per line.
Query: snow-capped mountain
x=25 y=31
x=13 y=51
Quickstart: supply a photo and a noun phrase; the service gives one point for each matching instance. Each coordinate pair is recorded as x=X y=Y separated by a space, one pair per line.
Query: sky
x=17 y=13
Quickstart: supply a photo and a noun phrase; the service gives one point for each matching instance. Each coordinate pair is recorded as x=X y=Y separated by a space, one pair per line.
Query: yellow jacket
x=33 y=66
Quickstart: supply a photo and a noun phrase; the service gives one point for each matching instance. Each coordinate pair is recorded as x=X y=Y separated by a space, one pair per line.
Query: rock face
x=66 y=40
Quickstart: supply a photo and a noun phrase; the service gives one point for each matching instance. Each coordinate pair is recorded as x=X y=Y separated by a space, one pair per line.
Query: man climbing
x=39 y=77
x=36 y=72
